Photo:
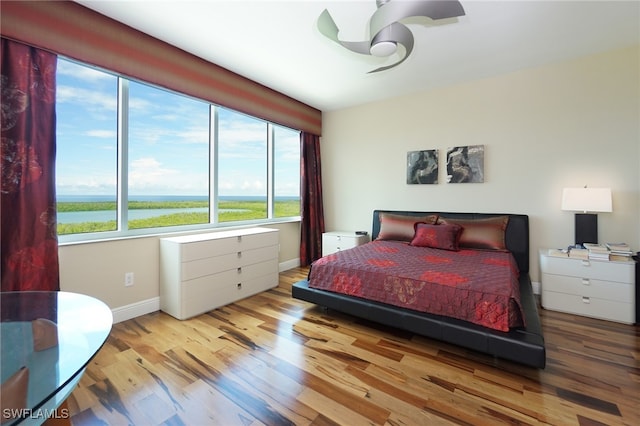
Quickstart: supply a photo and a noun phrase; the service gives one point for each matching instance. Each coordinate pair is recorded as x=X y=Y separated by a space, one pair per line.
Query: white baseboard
x=536 y=287
x=144 y=307
x=137 y=309
x=289 y=264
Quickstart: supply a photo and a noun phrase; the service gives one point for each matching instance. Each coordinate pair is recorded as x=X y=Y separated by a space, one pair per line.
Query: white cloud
x=153 y=134
x=227 y=187
x=253 y=186
x=240 y=132
x=104 y=134
x=97 y=184
x=139 y=104
x=287 y=146
x=147 y=171
x=81 y=72
x=148 y=176
x=89 y=98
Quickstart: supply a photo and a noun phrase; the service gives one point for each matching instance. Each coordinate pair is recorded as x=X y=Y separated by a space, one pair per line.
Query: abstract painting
x=422 y=166
x=465 y=164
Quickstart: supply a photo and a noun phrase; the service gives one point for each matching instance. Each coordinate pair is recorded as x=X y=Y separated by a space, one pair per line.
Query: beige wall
x=97 y=269
x=564 y=125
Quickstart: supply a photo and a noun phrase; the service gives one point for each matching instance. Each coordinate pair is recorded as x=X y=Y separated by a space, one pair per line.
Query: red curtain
x=29 y=248
x=312 y=211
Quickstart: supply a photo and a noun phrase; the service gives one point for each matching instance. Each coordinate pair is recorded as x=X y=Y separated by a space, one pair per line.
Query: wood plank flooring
x=274 y=360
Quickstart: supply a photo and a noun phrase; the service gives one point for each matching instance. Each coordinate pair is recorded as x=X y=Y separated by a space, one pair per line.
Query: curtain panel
x=29 y=247
x=312 y=210
x=70 y=29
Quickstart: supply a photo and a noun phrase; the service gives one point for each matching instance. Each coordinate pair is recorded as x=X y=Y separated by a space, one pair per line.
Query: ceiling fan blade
x=394 y=11
x=328 y=28
x=400 y=34
x=384 y=25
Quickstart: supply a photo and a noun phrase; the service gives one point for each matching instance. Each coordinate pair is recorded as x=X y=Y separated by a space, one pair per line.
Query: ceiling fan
x=385 y=30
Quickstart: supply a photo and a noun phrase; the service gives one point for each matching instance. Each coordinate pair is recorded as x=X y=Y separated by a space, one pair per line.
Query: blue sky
x=168 y=142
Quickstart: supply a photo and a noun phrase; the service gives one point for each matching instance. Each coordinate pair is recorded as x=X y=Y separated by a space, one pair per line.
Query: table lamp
x=588 y=201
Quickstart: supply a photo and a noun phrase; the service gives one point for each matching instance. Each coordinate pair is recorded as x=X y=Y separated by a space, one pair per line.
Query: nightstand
x=594 y=288
x=341 y=240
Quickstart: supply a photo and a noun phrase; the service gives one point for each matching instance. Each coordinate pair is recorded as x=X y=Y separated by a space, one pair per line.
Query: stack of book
x=578 y=253
x=558 y=252
x=597 y=251
x=620 y=251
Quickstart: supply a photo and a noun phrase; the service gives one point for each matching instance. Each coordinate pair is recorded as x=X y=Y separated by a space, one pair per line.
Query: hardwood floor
x=274 y=360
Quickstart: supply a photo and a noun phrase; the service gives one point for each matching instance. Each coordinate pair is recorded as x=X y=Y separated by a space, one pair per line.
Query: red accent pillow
x=481 y=233
x=400 y=227
x=445 y=237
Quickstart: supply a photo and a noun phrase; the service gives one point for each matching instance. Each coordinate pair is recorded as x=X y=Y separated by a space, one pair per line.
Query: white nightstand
x=341 y=240
x=594 y=288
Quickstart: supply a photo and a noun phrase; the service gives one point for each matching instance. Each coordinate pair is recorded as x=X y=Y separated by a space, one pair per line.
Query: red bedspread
x=472 y=285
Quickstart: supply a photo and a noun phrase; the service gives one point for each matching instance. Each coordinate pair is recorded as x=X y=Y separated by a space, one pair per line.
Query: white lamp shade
x=586 y=199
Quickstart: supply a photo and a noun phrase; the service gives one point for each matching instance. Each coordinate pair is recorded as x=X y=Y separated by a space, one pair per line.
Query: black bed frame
x=521 y=345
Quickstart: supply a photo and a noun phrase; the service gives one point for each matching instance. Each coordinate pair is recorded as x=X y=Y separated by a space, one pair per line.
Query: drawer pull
x=239 y=238
x=586 y=300
x=239 y=286
x=239 y=254
x=239 y=270
x=338 y=237
x=585 y=281
x=586 y=263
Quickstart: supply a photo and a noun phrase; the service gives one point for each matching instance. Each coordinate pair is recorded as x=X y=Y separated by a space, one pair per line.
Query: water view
x=107 y=215
x=81 y=214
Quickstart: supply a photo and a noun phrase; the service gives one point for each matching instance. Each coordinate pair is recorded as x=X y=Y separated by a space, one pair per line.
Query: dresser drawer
x=212 y=291
x=232 y=244
x=334 y=244
x=601 y=270
x=208 y=266
x=195 y=298
x=588 y=287
x=236 y=275
x=589 y=306
x=335 y=241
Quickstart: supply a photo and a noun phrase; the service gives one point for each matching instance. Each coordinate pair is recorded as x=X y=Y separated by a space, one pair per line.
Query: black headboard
x=516 y=234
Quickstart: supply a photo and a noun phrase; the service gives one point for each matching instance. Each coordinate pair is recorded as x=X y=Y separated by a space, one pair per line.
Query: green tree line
x=235 y=211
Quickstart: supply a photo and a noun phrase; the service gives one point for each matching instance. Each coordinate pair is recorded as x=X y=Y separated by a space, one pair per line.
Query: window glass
x=242 y=167
x=286 y=147
x=168 y=173
x=86 y=158
x=179 y=158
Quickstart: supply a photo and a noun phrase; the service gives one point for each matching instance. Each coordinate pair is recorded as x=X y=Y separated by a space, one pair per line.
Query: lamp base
x=586 y=228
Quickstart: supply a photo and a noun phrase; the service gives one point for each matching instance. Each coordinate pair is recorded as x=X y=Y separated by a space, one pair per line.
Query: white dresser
x=594 y=288
x=339 y=240
x=201 y=272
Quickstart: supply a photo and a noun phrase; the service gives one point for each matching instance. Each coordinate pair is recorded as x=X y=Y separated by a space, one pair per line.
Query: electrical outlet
x=128 y=279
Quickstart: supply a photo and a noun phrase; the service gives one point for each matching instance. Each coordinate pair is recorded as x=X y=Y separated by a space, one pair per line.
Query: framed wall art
x=422 y=167
x=465 y=164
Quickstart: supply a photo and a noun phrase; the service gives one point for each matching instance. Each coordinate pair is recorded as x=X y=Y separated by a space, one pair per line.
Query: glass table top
x=82 y=324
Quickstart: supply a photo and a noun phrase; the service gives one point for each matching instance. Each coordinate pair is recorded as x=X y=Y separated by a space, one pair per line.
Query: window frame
x=122 y=174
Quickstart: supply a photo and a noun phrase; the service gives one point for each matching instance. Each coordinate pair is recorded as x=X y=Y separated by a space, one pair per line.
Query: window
x=135 y=159
x=168 y=159
x=242 y=166
x=87 y=154
x=286 y=172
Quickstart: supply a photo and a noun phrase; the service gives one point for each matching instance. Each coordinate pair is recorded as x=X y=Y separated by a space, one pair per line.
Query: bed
x=443 y=300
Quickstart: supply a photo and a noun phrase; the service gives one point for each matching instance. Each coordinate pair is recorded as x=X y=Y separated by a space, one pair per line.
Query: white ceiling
x=276 y=43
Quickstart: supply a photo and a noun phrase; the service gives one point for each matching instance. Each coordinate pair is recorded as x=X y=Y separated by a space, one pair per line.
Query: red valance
x=74 y=31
